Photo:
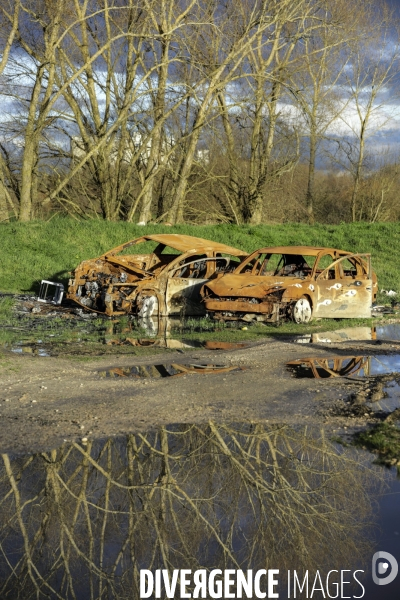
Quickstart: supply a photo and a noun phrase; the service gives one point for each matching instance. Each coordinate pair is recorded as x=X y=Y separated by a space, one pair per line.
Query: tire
x=302 y=311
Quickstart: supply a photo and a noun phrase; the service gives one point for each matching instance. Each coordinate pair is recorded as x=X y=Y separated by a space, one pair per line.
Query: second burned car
x=297 y=282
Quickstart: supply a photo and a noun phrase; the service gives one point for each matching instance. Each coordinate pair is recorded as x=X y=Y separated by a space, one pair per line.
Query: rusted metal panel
x=116 y=283
x=183 y=243
x=183 y=296
x=303 y=282
x=240 y=306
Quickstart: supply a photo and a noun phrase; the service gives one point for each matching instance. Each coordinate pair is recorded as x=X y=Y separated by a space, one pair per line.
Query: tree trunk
x=310 y=195
x=3 y=204
x=358 y=171
x=28 y=164
x=156 y=140
x=175 y=214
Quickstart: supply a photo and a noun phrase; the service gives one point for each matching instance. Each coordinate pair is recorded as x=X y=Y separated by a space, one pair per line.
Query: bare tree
x=219 y=50
x=9 y=22
x=374 y=64
x=315 y=82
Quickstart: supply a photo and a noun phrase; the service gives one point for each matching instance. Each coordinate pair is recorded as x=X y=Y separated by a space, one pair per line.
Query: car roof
x=184 y=243
x=304 y=250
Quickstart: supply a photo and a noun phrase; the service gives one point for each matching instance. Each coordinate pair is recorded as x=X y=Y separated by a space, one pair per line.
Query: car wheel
x=302 y=311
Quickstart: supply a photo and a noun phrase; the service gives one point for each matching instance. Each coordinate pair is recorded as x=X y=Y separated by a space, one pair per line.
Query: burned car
x=152 y=275
x=294 y=282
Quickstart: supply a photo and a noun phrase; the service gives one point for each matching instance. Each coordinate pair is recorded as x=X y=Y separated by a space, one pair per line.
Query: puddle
x=174 y=344
x=385 y=395
x=346 y=334
x=345 y=366
x=81 y=521
x=388 y=332
x=391 y=400
x=172 y=370
x=351 y=334
x=60 y=336
x=32 y=350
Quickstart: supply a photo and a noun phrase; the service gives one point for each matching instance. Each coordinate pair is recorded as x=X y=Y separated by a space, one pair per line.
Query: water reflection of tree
x=80 y=522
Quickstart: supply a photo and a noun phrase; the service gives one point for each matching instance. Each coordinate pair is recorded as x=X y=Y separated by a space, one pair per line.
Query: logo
x=386 y=566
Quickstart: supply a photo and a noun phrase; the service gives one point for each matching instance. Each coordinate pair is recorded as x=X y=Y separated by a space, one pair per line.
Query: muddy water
x=58 y=334
x=346 y=366
x=165 y=370
x=388 y=398
x=351 y=334
x=82 y=520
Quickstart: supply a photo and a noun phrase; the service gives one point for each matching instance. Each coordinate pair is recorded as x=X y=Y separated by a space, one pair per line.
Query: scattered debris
x=50 y=292
x=382 y=309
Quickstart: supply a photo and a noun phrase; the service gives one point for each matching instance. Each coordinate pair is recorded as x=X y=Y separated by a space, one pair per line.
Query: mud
x=52 y=390
x=47 y=400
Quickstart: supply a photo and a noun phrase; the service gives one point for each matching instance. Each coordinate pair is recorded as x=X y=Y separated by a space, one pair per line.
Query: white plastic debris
x=50 y=292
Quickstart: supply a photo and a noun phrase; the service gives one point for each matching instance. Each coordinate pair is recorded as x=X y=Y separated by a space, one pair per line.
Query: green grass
x=39 y=250
x=384 y=441
x=6 y=310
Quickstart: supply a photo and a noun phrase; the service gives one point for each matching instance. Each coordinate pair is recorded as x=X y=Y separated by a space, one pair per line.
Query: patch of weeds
x=383 y=440
x=336 y=439
x=6 y=309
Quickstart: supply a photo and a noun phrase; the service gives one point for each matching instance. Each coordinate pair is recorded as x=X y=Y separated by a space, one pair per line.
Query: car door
x=344 y=288
x=185 y=280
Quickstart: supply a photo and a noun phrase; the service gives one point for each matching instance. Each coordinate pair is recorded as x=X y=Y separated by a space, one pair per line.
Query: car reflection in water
x=345 y=366
x=163 y=332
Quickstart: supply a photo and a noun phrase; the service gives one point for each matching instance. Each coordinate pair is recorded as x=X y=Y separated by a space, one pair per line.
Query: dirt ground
x=45 y=401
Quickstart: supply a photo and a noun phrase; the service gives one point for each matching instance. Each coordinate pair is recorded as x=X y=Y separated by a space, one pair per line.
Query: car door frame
x=191 y=301
x=344 y=297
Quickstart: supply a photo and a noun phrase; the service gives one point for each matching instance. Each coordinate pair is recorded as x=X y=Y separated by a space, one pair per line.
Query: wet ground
x=95 y=479
x=64 y=370
x=82 y=520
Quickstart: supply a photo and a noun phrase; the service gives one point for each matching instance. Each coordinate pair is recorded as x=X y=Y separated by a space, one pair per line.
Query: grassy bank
x=39 y=250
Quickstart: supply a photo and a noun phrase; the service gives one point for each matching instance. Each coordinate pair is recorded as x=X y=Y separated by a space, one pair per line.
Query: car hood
x=254 y=286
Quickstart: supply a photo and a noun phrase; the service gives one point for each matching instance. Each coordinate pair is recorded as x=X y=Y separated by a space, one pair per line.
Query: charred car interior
x=152 y=275
x=299 y=283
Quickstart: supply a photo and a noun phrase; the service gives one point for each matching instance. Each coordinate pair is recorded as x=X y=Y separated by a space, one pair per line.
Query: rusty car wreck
x=296 y=282
x=162 y=276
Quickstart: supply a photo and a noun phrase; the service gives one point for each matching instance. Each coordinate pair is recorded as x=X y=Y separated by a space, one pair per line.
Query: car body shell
x=164 y=281
x=334 y=283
